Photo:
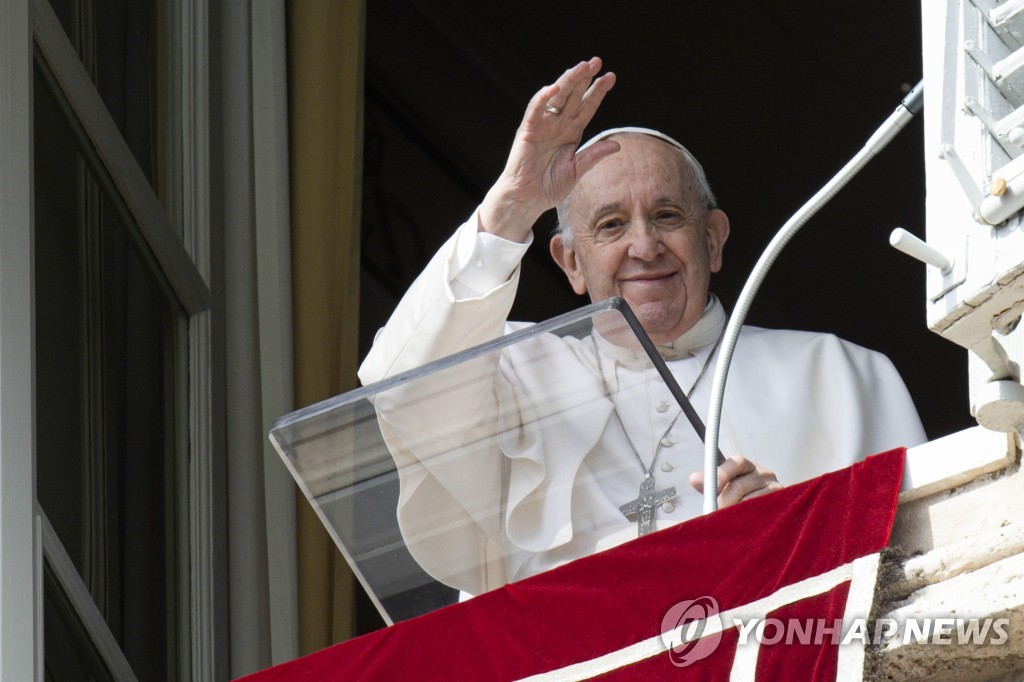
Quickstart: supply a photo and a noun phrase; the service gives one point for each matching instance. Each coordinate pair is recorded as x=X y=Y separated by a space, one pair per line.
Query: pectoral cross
x=646 y=502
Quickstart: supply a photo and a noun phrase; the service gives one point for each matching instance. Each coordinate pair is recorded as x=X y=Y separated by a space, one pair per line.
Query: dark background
x=773 y=97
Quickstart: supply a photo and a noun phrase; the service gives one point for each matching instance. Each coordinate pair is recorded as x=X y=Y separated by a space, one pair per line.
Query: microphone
x=912 y=104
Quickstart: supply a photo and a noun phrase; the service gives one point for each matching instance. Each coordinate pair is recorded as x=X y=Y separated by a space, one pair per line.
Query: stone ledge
x=990 y=593
x=957 y=553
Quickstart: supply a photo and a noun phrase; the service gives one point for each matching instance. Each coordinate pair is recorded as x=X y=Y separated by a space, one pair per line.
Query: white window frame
x=20 y=576
x=25 y=533
x=179 y=243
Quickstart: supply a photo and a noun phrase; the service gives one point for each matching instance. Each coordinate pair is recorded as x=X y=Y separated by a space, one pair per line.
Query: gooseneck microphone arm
x=911 y=105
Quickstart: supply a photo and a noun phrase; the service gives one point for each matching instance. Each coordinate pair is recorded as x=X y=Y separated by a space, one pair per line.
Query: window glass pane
x=70 y=655
x=104 y=401
x=117 y=43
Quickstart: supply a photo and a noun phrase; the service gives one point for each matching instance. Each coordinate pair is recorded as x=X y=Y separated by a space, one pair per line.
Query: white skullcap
x=632 y=129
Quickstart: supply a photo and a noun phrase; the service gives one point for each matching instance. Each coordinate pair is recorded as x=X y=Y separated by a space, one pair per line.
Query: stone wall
x=957 y=552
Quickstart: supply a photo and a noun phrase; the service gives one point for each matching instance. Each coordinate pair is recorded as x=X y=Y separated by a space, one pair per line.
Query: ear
x=569 y=261
x=717 y=235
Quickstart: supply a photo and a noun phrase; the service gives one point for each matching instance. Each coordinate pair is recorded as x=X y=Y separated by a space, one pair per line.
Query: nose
x=644 y=241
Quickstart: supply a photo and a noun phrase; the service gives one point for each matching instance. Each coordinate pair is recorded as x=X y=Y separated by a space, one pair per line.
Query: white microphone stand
x=908 y=108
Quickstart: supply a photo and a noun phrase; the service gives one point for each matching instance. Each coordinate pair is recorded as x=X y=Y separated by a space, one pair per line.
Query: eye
x=612 y=224
x=669 y=217
x=609 y=228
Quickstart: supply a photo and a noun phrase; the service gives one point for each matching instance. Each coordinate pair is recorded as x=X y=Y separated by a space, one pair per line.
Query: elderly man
x=637 y=219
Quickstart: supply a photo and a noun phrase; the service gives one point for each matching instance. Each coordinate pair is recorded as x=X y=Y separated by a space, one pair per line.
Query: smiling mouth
x=652 y=278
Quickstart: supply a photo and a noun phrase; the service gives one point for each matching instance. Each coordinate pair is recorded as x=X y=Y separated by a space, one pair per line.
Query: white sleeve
x=453 y=304
x=482 y=262
x=446 y=510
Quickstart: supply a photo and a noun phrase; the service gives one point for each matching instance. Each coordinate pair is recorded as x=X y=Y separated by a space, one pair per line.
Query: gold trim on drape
x=325 y=81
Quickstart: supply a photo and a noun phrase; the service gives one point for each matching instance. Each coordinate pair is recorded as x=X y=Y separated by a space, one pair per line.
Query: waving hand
x=543 y=166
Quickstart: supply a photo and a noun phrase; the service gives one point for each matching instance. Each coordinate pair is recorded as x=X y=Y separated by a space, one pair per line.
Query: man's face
x=639 y=232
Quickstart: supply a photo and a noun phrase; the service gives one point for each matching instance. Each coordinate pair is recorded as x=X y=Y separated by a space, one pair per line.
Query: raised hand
x=543 y=166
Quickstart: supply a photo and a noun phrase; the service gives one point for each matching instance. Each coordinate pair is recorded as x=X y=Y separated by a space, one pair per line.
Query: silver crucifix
x=646 y=502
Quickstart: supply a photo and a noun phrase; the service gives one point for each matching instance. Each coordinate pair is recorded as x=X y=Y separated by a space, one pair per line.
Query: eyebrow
x=605 y=208
x=672 y=201
x=660 y=201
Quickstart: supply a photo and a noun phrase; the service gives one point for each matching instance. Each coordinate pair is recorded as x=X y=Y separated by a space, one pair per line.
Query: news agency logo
x=882 y=631
x=692 y=631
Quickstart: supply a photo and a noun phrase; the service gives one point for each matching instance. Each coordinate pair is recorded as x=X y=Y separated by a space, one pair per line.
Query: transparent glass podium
x=460 y=444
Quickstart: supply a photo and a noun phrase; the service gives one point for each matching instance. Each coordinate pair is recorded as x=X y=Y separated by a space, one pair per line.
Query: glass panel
x=494 y=464
x=104 y=401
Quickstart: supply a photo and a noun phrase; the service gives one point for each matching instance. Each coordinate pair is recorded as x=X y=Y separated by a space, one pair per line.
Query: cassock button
x=667 y=467
x=667 y=442
x=668 y=507
x=661 y=406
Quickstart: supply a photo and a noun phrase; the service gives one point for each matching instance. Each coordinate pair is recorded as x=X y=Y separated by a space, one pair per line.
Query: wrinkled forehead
x=656 y=167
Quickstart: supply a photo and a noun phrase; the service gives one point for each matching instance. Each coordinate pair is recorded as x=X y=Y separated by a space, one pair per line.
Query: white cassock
x=546 y=485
